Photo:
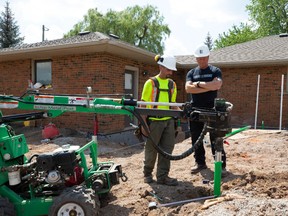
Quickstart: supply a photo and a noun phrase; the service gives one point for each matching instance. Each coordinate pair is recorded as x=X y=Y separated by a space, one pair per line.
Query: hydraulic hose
x=161 y=151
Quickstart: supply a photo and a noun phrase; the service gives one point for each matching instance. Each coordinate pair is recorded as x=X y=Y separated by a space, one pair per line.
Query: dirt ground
x=256 y=184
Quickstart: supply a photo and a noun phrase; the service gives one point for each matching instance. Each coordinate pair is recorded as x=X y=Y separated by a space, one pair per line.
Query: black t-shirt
x=205 y=99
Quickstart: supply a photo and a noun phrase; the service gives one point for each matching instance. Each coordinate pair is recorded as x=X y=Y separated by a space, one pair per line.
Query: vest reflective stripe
x=156 y=90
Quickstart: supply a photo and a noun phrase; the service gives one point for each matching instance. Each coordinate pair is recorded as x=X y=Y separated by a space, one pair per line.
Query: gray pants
x=163 y=135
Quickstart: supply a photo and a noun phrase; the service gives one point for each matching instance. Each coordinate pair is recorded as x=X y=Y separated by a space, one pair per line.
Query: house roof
x=271 y=50
x=85 y=42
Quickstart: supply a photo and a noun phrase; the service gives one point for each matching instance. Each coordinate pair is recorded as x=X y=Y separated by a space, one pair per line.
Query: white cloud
x=58 y=16
x=196 y=18
x=173 y=46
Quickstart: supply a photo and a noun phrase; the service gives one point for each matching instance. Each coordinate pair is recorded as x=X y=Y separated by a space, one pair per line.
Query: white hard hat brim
x=170 y=68
x=199 y=56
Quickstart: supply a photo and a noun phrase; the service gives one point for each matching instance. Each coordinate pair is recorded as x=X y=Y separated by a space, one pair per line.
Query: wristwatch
x=198 y=84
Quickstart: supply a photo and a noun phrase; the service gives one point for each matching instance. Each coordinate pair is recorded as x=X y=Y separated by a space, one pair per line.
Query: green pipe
x=237 y=131
x=218 y=164
x=217 y=178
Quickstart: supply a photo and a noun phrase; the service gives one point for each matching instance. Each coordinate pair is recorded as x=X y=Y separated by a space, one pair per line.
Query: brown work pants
x=163 y=135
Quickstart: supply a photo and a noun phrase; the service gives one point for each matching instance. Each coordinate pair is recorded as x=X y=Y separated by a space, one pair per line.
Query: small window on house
x=43 y=72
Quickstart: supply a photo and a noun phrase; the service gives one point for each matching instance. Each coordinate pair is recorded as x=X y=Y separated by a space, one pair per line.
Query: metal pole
x=257 y=98
x=153 y=205
x=43 y=30
x=281 y=102
x=160 y=103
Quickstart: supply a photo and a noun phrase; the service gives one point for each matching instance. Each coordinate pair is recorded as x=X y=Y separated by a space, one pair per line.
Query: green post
x=218 y=166
x=217 y=177
x=262 y=125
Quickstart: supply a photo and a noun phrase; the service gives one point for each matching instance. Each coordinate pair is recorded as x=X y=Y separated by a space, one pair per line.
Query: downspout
x=281 y=101
x=257 y=98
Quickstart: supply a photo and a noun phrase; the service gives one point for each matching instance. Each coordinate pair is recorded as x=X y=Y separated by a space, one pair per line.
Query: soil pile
x=256 y=183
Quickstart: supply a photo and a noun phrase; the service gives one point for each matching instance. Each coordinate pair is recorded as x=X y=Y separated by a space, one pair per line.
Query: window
x=43 y=72
x=128 y=80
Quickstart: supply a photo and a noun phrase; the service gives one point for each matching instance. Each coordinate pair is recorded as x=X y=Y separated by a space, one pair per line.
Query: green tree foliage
x=9 y=30
x=141 y=26
x=269 y=16
x=236 y=35
x=209 y=41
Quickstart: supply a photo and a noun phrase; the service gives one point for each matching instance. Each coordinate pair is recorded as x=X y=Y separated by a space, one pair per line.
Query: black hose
x=30 y=159
x=161 y=151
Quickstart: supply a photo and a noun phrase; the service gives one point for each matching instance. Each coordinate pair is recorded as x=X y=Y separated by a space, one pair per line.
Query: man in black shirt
x=202 y=83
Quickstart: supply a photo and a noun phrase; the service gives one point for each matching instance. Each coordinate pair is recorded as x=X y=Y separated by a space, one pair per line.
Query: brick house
x=241 y=65
x=111 y=66
x=108 y=65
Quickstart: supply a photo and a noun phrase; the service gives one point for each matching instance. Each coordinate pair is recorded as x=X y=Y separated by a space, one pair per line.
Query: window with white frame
x=43 y=72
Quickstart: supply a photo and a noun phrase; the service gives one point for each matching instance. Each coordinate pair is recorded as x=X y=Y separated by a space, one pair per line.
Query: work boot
x=148 y=179
x=224 y=172
x=167 y=181
x=198 y=167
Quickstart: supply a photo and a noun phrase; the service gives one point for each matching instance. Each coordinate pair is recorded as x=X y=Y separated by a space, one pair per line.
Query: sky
x=189 y=20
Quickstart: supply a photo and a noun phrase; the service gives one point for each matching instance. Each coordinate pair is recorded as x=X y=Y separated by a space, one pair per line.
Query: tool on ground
x=154 y=205
x=153 y=194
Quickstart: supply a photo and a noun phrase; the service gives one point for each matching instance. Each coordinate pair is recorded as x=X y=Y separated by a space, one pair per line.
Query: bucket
x=50 y=131
x=26 y=123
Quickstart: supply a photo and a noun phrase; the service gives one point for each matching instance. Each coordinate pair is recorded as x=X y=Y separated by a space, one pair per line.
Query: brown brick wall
x=105 y=73
x=71 y=75
x=14 y=76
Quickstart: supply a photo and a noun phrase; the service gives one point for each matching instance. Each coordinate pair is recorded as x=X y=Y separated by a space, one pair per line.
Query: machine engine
x=58 y=167
x=48 y=173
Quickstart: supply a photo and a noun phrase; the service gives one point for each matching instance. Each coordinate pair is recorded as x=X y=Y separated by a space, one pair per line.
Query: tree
x=270 y=16
x=142 y=27
x=209 y=41
x=9 y=30
x=236 y=35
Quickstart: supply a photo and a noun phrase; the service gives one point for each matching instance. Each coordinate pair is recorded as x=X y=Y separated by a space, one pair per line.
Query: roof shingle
x=267 y=50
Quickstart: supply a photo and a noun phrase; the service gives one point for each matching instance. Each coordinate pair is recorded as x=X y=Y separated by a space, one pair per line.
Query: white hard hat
x=166 y=61
x=202 y=51
x=38 y=85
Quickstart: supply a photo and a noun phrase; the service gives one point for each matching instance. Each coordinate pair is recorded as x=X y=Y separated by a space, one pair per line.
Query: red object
x=96 y=126
x=225 y=142
x=77 y=178
x=50 y=131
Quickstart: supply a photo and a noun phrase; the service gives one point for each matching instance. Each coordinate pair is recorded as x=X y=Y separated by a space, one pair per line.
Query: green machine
x=62 y=182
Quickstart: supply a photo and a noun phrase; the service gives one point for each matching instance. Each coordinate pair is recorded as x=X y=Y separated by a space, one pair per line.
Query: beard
x=168 y=76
